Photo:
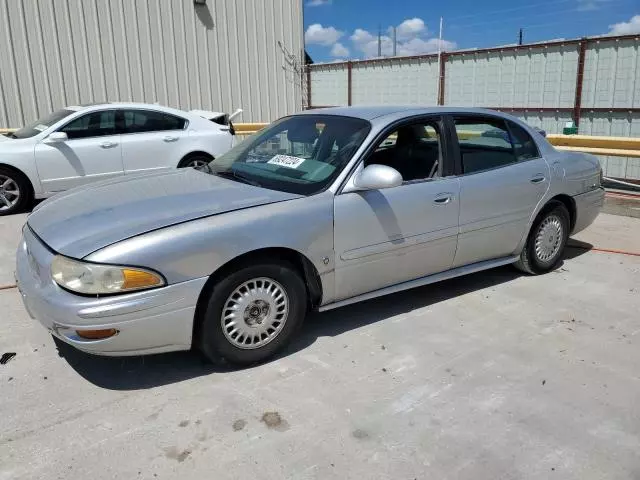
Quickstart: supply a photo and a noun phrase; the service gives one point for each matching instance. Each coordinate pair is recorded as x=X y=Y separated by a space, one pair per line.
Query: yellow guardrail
x=597 y=145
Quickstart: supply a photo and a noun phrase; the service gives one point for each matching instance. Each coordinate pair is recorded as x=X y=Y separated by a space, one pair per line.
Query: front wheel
x=546 y=242
x=253 y=313
x=15 y=192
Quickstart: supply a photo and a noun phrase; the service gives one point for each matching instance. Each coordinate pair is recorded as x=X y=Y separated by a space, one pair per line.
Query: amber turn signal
x=137 y=279
x=97 y=334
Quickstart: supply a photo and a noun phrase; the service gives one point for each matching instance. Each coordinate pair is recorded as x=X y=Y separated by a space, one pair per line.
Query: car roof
x=373 y=112
x=150 y=106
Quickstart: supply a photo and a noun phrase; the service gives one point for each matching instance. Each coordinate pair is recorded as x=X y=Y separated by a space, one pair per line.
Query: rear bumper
x=588 y=206
x=153 y=321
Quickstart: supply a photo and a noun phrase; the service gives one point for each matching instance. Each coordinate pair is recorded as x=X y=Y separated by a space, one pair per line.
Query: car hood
x=83 y=220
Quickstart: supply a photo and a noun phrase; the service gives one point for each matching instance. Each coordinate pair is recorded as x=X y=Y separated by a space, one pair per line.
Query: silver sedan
x=319 y=210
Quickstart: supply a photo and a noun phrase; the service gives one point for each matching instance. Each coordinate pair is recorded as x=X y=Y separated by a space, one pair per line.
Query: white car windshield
x=41 y=124
x=299 y=154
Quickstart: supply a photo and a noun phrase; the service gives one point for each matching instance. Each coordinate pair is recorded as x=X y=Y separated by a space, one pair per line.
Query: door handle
x=443 y=198
x=170 y=138
x=108 y=144
x=538 y=178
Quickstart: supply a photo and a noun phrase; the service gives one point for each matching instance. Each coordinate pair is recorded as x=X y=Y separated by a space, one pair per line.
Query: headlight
x=95 y=279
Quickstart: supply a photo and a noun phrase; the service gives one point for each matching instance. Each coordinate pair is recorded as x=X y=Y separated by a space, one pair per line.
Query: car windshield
x=300 y=154
x=41 y=124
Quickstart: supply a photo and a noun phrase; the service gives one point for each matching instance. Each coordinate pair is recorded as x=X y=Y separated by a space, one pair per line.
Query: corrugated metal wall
x=536 y=77
x=218 y=56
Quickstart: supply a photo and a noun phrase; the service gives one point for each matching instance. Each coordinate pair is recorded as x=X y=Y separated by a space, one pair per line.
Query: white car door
x=91 y=152
x=151 y=140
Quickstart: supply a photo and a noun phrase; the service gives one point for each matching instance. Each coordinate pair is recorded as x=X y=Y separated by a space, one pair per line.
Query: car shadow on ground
x=141 y=372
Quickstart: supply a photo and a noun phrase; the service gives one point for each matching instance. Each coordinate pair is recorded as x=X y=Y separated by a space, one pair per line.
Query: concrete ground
x=492 y=376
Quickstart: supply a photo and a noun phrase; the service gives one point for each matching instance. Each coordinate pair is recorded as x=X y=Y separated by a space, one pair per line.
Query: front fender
x=198 y=248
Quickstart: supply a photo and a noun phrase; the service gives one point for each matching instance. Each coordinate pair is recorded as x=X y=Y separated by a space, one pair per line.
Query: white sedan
x=81 y=144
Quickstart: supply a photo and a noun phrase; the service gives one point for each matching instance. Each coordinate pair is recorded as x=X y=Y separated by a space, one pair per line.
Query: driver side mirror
x=56 y=137
x=377 y=177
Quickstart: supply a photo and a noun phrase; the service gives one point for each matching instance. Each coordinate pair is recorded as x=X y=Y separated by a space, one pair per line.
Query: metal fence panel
x=612 y=74
x=329 y=85
x=400 y=82
x=522 y=78
x=615 y=124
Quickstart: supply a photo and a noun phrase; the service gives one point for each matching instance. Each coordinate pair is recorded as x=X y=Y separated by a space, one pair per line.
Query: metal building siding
x=405 y=82
x=329 y=85
x=220 y=56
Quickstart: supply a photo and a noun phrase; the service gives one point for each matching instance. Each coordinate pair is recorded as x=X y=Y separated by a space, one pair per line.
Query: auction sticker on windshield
x=286 y=161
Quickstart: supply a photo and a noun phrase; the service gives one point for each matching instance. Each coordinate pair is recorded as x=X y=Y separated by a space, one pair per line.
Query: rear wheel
x=546 y=242
x=253 y=313
x=15 y=191
x=199 y=161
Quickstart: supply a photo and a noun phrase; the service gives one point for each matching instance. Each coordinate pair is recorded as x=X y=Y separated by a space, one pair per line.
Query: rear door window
x=484 y=144
x=524 y=146
x=140 y=121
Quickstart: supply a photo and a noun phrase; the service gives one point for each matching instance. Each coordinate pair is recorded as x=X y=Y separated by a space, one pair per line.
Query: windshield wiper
x=233 y=175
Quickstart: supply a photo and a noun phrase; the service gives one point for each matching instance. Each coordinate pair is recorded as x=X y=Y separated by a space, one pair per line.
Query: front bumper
x=588 y=206
x=153 y=321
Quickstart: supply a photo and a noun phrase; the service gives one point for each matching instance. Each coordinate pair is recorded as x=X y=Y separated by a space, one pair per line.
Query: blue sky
x=343 y=29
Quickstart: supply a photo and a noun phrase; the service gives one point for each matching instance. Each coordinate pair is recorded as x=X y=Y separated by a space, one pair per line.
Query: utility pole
x=379 y=41
x=395 y=42
x=520 y=37
x=439 y=61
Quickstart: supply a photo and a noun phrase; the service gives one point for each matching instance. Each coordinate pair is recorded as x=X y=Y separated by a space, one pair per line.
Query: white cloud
x=410 y=41
x=319 y=35
x=318 y=3
x=361 y=36
x=339 y=51
x=626 y=28
x=410 y=28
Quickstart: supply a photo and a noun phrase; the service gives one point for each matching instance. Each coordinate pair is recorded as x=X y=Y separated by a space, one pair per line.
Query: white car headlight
x=96 y=279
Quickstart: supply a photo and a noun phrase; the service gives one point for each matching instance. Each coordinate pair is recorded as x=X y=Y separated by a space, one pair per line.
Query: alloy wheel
x=548 y=238
x=9 y=192
x=255 y=313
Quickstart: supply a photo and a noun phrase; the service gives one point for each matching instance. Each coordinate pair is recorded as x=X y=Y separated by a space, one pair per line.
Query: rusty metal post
x=443 y=60
x=308 y=86
x=349 y=67
x=577 y=104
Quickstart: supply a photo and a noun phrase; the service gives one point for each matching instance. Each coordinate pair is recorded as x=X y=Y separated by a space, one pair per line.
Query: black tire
x=534 y=261
x=194 y=159
x=213 y=340
x=12 y=181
